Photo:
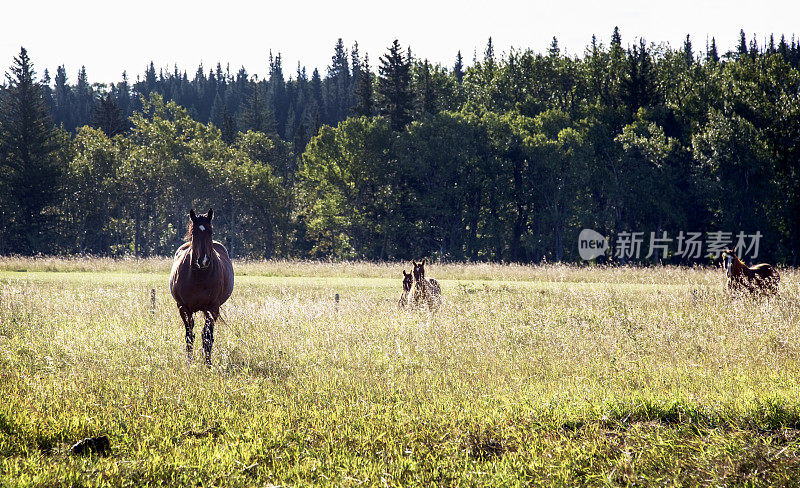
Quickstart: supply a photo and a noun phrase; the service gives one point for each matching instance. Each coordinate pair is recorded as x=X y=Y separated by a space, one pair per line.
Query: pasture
x=544 y=375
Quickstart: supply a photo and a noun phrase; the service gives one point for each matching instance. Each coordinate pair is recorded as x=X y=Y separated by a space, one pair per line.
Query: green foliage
x=505 y=159
x=29 y=167
x=394 y=87
x=347 y=180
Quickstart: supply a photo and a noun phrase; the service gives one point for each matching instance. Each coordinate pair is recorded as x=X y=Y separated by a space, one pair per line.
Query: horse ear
x=424 y=260
x=210 y=213
x=192 y=215
x=413 y=262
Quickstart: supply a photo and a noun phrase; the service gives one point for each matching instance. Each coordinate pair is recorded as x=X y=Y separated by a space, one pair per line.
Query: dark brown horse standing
x=201 y=280
x=425 y=289
x=408 y=282
x=761 y=278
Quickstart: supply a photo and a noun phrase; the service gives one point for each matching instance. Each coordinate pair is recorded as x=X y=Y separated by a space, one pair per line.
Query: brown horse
x=758 y=279
x=425 y=289
x=201 y=280
x=408 y=282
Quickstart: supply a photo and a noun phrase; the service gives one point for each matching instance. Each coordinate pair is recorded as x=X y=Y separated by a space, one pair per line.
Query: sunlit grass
x=544 y=375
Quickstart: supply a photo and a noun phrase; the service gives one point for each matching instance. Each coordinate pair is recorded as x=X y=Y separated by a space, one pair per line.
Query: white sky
x=110 y=37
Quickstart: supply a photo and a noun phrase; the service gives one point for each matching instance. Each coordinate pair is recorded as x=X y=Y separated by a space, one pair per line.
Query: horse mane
x=732 y=253
x=189 y=229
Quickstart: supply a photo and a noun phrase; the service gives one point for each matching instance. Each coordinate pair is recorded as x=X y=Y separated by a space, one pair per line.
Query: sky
x=109 y=38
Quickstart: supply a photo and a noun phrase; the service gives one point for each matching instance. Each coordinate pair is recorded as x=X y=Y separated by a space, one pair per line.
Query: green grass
x=546 y=375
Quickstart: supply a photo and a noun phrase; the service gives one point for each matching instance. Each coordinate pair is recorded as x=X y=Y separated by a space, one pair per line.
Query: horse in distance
x=201 y=280
x=408 y=283
x=759 y=279
x=425 y=289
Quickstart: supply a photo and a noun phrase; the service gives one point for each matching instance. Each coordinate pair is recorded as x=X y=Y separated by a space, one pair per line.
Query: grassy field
x=548 y=375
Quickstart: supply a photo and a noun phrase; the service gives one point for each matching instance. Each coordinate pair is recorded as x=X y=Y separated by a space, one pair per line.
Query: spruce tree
x=754 y=50
x=713 y=55
x=426 y=95
x=365 y=97
x=256 y=115
x=458 y=68
x=123 y=92
x=783 y=48
x=338 y=84
x=741 y=49
x=63 y=100
x=688 y=53
x=29 y=167
x=108 y=117
x=355 y=70
x=554 y=51
x=84 y=100
x=277 y=91
x=394 y=87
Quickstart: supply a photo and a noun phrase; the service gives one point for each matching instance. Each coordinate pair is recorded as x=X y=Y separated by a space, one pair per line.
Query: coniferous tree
x=488 y=57
x=394 y=87
x=783 y=48
x=616 y=67
x=123 y=95
x=458 y=68
x=355 y=73
x=256 y=115
x=741 y=48
x=365 y=96
x=426 y=95
x=84 y=100
x=554 y=51
x=149 y=80
x=338 y=84
x=688 y=53
x=639 y=83
x=278 y=99
x=63 y=100
x=108 y=116
x=754 y=51
x=713 y=55
x=616 y=44
x=48 y=92
x=30 y=173
x=317 y=110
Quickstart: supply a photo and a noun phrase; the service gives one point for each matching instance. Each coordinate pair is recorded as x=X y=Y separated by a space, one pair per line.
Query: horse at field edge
x=201 y=279
x=408 y=282
x=425 y=289
x=759 y=279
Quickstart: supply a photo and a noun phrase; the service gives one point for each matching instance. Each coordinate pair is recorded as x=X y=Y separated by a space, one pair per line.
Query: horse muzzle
x=202 y=263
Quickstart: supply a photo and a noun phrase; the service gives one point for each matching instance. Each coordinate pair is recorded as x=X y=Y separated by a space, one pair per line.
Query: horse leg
x=188 y=321
x=208 y=336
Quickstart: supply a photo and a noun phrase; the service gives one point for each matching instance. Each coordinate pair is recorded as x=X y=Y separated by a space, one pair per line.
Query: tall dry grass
x=526 y=374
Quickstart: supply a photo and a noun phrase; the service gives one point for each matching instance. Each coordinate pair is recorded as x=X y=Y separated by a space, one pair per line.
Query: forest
x=504 y=158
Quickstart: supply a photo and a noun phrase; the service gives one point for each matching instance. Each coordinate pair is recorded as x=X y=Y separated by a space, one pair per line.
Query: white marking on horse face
x=204 y=261
x=728 y=264
x=202 y=228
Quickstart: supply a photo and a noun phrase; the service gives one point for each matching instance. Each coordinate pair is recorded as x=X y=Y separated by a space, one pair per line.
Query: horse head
x=408 y=281
x=199 y=234
x=419 y=270
x=729 y=256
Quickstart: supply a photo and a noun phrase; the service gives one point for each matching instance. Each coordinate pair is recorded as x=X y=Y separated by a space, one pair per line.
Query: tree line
x=507 y=158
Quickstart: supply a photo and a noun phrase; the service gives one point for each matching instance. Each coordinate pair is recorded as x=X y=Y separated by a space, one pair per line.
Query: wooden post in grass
x=153 y=300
